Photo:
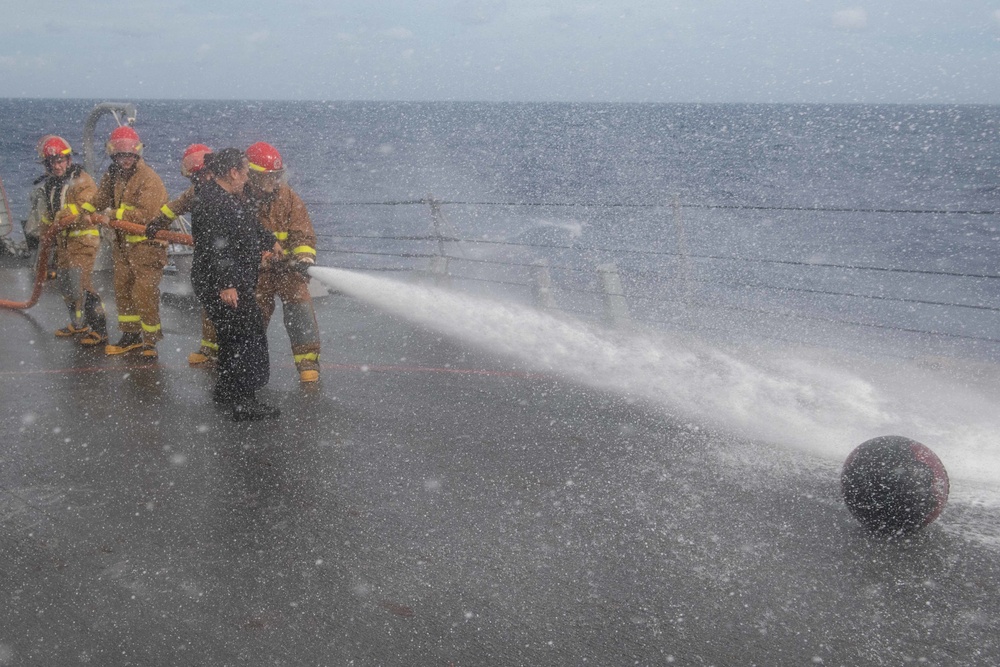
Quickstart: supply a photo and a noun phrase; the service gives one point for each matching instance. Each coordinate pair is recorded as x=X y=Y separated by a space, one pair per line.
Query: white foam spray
x=798 y=401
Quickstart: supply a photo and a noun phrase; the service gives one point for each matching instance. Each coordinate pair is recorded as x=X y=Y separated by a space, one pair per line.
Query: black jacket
x=228 y=242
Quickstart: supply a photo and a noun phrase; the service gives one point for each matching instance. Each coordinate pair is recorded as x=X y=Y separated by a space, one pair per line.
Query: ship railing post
x=543 y=285
x=438 y=268
x=615 y=306
x=682 y=275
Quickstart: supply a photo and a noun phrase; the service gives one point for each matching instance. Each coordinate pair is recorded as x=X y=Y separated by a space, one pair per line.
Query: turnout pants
x=300 y=319
x=76 y=253
x=138 y=270
x=209 y=339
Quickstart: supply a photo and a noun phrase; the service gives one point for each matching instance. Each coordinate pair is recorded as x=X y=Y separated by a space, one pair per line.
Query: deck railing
x=883 y=307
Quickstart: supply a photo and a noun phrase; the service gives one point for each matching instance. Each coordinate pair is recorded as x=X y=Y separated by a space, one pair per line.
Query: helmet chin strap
x=122 y=171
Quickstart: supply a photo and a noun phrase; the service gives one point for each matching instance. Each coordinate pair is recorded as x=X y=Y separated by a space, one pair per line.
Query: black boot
x=222 y=397
x=250 y=409
x=93 y=315
x=128 y=342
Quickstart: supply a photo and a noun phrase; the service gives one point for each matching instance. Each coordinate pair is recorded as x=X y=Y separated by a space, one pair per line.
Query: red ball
x=894 y=485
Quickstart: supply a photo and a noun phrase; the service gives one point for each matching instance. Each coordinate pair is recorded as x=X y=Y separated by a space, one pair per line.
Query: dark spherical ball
x=894 y=485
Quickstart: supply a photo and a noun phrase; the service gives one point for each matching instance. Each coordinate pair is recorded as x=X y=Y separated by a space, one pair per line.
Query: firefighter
x=283 y=213
x=134 y=193
x=192 y=168
x=66 y=192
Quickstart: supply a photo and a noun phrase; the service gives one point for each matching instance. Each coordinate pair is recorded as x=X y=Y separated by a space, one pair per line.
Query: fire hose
x=45 y=246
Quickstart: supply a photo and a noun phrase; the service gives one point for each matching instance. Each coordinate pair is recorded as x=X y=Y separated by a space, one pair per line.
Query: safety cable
x=411 y=255
x=833 y=320
x=400 y=202
x=758 y=311
x=390 y=238
x=760 y=260
x=376 y=269
x=816 y=291
x=783 y=339
x=521 y=264
x=734 y=207
x=572 y=290
x=457 y=276
x=660 y=253
x=557 y=267
x=755 y=311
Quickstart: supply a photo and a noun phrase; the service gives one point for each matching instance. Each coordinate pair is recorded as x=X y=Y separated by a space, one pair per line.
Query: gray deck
x=428 y=504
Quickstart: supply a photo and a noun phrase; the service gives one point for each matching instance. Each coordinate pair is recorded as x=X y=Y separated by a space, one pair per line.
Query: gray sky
x=524 y=50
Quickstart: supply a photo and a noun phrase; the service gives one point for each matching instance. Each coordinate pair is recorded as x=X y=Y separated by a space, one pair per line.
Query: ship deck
x=431 y=504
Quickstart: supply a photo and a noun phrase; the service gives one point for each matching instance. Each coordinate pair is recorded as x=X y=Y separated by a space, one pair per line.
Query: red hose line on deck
x=45 y=244
x=41 y=269
x=140 y=230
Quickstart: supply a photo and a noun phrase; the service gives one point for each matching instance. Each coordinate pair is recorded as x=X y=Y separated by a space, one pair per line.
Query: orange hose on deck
x=41 y=269
x=132 y=228
x=45 y=244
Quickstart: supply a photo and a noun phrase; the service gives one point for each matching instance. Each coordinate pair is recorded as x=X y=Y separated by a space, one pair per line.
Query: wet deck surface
x=428 y=504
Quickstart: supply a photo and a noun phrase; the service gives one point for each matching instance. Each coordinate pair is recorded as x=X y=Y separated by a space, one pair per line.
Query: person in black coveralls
x=229 y=246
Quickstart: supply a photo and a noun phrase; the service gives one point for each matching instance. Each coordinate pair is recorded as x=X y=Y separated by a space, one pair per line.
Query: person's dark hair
x=220 y=162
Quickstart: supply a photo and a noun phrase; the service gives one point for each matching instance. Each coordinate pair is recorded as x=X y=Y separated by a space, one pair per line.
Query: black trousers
x=244 y=365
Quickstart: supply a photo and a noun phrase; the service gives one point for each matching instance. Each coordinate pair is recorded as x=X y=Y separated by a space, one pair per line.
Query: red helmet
x=194 y=159
x=51 y=146
x=264 y=158
x=124 y=139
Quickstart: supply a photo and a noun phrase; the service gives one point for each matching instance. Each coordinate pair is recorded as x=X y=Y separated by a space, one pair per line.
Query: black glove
x=157 y=225
x=302 y=264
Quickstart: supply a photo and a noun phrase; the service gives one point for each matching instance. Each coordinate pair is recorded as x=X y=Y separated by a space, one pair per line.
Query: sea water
x=885 y=157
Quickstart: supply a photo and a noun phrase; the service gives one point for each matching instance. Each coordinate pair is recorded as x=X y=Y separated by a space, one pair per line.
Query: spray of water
x=802 y=401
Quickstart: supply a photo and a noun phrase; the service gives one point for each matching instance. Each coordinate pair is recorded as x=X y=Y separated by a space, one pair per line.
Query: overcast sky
x=524 y=50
